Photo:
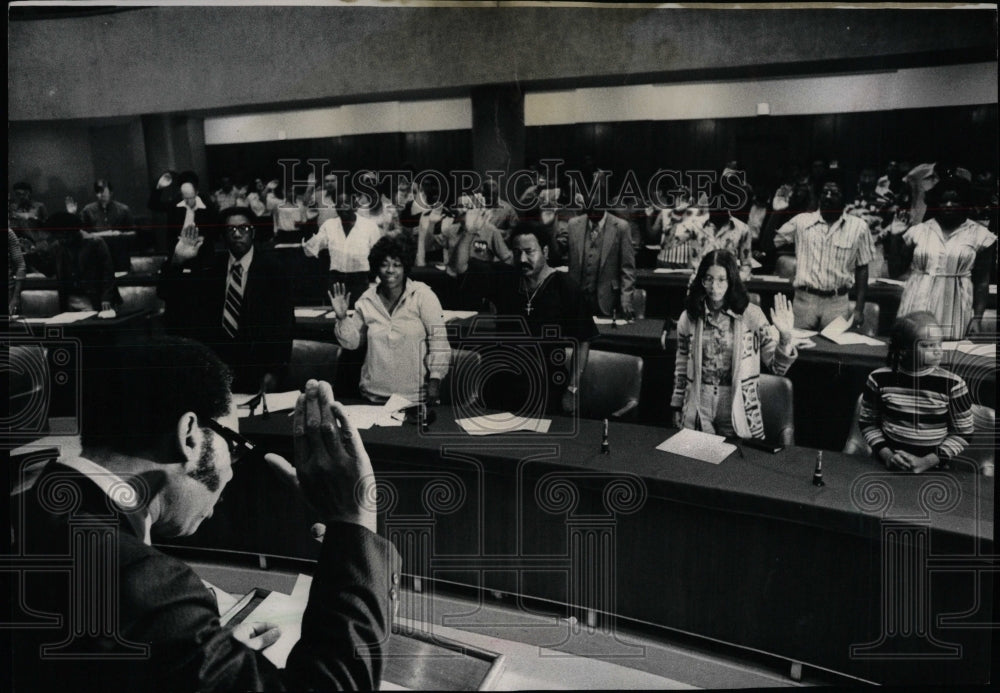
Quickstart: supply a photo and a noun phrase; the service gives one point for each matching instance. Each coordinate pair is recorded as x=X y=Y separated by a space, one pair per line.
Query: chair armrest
x=632 y=404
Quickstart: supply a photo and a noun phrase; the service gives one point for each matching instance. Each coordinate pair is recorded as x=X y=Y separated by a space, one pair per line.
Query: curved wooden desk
x=749 y=552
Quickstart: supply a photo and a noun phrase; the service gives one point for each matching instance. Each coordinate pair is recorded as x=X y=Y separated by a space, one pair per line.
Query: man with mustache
x=832 y=252
x=159 y=445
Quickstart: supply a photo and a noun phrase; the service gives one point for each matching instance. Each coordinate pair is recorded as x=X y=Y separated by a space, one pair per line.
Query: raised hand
x=188 y=244
x=332 y=466
x=71 y=206
x=165 y=180
x=339 y=299
x=782 y=316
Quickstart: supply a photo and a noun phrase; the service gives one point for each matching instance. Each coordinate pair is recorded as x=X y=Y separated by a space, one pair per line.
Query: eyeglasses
x=239 y=446
x=244 y=229
x=708 y=281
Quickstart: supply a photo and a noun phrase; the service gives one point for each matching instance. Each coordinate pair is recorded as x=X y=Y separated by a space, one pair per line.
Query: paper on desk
x=364 y=416
x=310 y=312
x=276 y=401
x=504 y=422
x=770 y=277
x=70 y=316
x=671 y=270
x=284 y=611
x=986 y=350
x=705 y=447
x=224 y=600
x=108 y=314
x=837 y=333
x=119 y=275
x=754 y=264
x=799 y=333
x=609 y=321
x=332 y=315
x=450 y=315
x=397 y=402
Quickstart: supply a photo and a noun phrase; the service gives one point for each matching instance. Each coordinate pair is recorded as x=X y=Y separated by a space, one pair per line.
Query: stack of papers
x=705 y=447
x=967 y=347
x=310 y=312
x=284 y=611
x=276 y=401
x=505 y=422
x=66 y=318
x=837 y=333
x=364 y=416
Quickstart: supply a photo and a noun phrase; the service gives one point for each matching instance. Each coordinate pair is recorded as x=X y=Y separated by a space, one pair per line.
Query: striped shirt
x=924 y=412
x=826 y=256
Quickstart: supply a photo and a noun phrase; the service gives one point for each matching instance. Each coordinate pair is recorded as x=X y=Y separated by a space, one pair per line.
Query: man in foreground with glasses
x=240 y=304
x=158 y=446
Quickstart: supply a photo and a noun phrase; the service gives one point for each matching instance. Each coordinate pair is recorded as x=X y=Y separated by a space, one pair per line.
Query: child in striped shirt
x=914 y=413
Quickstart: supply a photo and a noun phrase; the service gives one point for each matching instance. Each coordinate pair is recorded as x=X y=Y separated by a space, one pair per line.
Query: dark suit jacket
x=194 y=302
x=87 y=269
x=158 y=627
x=616 y=266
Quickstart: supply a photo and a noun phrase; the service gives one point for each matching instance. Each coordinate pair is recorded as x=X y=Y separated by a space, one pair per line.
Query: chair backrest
x=870 y=325
x=39 y=303
x=777 y=408
x=140 y=298
x=460 y=387
x=311 y=359
x=856 y=444
x=610 y=385
x=146 y=264
x=784 y=266
x=980 y=451
x=754 y=298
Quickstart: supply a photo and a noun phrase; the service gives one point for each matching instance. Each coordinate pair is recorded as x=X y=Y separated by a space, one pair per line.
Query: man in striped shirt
x=832 y=252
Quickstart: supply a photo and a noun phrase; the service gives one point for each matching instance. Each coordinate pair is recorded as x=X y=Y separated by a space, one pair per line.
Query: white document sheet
x=285 y=611
x=66 y=318
x=697 y=445
x=450 y=315
x=837 y=332
x=276 y=401
x=506 y=422
x=364 y=416
x=310 y=312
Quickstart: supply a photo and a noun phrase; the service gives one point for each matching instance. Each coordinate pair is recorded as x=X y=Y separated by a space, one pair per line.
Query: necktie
x=234 y=299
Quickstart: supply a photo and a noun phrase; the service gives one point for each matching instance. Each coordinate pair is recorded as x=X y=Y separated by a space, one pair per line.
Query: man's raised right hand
x=188 y=244
x=332 y=466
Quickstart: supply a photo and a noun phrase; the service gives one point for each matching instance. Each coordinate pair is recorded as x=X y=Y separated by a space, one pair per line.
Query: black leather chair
x=870 y=325
x=311 y=359
x=784 y=266
x=460 y=386
x=778 y=408
x=610 y=386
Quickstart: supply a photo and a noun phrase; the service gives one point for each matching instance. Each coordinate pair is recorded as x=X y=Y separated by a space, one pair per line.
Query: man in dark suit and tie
x=240 y=304
x=602 y=261
x=100 y=609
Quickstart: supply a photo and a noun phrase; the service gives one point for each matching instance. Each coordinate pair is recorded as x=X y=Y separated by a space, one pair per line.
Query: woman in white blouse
x=401 y=319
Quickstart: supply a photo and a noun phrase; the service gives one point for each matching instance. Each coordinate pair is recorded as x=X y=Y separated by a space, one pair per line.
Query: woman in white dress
x=949 y=274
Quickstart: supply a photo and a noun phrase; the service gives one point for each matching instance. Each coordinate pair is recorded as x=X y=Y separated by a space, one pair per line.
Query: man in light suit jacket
x=101 y=609
x=602 y=260
x=245 y=314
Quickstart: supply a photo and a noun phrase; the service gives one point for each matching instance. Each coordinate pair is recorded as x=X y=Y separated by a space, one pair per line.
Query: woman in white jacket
x=722 y=339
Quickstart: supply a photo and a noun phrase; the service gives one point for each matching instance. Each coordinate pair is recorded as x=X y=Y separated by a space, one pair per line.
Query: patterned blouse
x=717 y=348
